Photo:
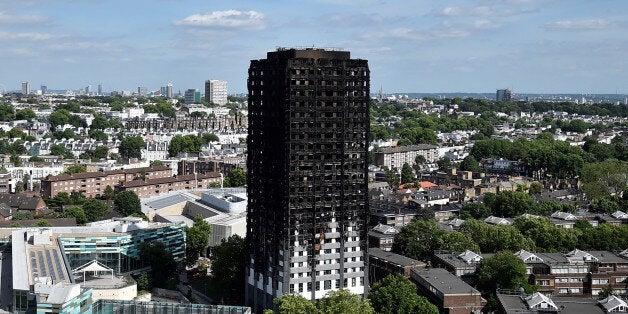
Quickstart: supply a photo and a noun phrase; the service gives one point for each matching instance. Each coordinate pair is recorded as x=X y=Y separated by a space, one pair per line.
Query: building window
x=327 y=284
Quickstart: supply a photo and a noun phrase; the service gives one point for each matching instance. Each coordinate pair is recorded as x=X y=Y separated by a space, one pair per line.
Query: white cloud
x=225 y=19
x=469 y=11
x=22 y=19
x=25 y=36
x=592 y=24
x=485 y=24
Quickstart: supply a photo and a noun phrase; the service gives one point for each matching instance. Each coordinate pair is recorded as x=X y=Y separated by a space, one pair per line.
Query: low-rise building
x=395 y=157
x=448 y=292
x=93 y=184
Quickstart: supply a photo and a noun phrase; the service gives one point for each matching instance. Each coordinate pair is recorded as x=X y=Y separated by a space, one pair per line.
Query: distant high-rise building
x=26 y=88
x=192 y=96
x=88 y=90
x=168 y=93
x=503 y=95
x=142 y=91
x=307 y=175
x=44 y=89
x=216 y=92
x=99 y=89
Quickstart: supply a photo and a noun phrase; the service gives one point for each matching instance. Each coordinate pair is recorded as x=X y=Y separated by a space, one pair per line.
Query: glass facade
x=121 y=252
x=118 y=306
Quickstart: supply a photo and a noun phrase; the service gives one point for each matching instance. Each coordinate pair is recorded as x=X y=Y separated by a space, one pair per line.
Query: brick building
x=448 y=292
x=383 y=263
x=93 y=184
x=154 y=187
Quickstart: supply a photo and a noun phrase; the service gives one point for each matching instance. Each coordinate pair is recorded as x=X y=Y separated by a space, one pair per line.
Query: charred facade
x=307 y=174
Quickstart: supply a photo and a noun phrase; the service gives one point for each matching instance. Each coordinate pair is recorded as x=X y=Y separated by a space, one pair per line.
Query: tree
x=58 y=117
x=15 y=160
x=293 y=303
x=228 y=264
x=419 y=160
x=535 y=188
x=143 y=282
x=76 y=168
x=95 y=209
x=503 y=270
x=127 y=203
x=156 y=163
x=236 y=178
x=6 y=112
x=406 y=173
x=75 y=212
x=397 y=294
x=210 y=137
x=184 y=144
x=131 y=147
x=22 y=216
x=197 y=239
x=444 y=164
x=61 y=151
x=109 y=193
x=25 y=114
x=458 y=242
x=42 y=223
x=163 y=265
x=469 y=163
x=343 y=302
x=418 y=239
x=606 y=292
x=98 y=135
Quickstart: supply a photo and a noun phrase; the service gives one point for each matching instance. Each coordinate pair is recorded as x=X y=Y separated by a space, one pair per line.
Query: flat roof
x=444 y=281
x=408 y=148
x=514 y=304
x=20 y=271
x=393 y=257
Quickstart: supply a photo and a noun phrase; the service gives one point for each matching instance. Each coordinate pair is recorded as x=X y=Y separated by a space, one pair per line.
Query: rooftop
x=393 y=258
x=443 y=281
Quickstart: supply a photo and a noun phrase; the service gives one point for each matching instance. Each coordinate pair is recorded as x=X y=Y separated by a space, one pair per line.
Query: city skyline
x=528 y=46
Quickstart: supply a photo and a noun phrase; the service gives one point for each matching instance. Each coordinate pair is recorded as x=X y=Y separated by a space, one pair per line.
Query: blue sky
x=544 y=46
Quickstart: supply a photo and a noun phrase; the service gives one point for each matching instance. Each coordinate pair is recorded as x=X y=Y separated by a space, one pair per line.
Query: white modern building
x=216 y=92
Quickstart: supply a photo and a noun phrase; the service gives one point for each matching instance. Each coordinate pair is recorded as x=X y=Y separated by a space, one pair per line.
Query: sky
x=528 y=46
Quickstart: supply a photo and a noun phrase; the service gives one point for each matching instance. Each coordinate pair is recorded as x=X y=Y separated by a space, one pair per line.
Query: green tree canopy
x=95 y=209
x=25 y=114
x=228 y=264
x=469 y=163
x=236 y=178
x=419 y=239
x=184 y=144
x=75 y=212
x=503 y=270
x=444 y=164
x=131 y=147
x=294 y=304
x=127 y=203
x=163 y=265
x=397 y=294
x=197 y=239
x=407 y=175
x=343 y=302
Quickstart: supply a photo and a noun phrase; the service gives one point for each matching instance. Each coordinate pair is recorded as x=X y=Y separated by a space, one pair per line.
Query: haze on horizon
x=529 y=46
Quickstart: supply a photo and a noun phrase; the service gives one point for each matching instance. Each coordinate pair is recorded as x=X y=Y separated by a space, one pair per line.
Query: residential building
x=93 y=184
x=153 y=187
x=395 y=157
x=216 y=92
x=24 y=203
x=383 y=263
x=448 y=292
x=307 y=175
x=26 y=88
x=382 y=237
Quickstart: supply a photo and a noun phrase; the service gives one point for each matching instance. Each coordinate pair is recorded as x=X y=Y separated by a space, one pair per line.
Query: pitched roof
x=20 y=201
x=613 y=304
x=100 y=174
x=540 y=301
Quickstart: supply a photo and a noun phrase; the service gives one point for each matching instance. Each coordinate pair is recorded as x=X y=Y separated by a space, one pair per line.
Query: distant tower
x=88 y=89
x=26 y=88
x=142 y=91
x=216 y=92
x=99 y=89
x=307 y=175
x=191 y=95
x=44 y=89
x=169 y=90
x=503 y=95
